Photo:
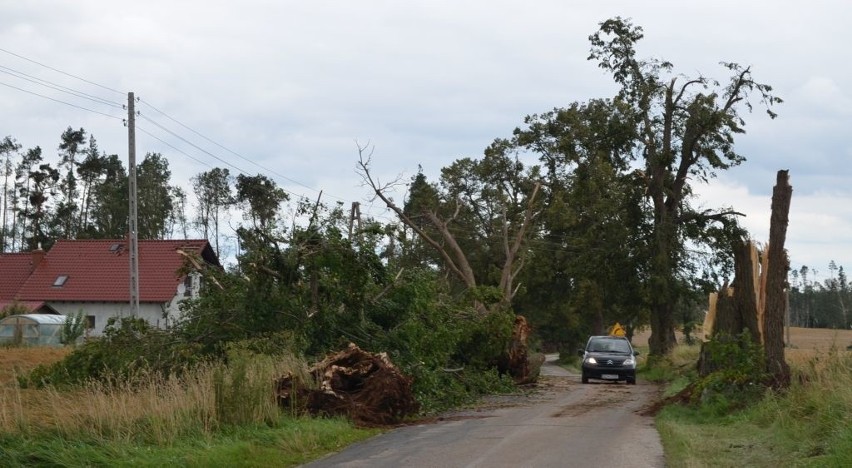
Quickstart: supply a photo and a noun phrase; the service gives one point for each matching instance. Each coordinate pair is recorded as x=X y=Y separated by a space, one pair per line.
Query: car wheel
x=631 y=381
x=584 y=378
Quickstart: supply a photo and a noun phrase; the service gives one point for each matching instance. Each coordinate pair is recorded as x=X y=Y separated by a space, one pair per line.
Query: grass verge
x=291 y=442
x=809 y=424
x=211 y=415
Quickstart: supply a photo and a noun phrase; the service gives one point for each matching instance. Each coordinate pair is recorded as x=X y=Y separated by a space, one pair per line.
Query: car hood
x=605 y=355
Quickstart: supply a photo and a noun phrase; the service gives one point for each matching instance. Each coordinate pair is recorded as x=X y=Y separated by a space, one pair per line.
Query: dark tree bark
x=728 y=320
x=776 y=283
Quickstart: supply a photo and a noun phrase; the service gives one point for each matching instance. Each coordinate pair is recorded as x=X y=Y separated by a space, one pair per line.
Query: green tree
x=686 y=129
x=90 y=172
x=154 y=196
x=178 y=223
x=591 y=246
x=109 y=205
x=213 y=192
x=44 y=181
x=67 y=208
x=8 y=146
x=261 y=198
x=477 y=222
x=29 y=160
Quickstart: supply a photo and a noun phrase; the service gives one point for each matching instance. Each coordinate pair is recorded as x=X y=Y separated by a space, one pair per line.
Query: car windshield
x=609 y=346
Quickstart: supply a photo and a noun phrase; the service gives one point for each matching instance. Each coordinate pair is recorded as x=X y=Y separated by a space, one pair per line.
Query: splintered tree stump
x=364 y=386
x=516 y=361
x=776 y=283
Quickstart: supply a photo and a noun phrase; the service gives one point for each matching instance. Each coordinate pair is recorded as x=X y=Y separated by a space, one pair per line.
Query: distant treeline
x=823 y=304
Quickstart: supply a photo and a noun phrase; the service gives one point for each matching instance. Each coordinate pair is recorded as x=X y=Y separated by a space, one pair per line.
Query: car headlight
x=631 y=361
x=591 y=360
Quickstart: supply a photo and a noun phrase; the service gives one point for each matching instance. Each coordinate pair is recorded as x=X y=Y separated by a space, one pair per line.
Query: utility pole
x=354 y=217
x=134 y=241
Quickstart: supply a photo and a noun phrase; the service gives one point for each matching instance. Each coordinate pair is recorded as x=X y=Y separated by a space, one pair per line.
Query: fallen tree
x=366 y=387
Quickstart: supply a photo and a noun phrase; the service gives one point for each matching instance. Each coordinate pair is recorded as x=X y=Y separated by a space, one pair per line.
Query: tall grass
x=814 y=418
x=809 y=424
x=154 y=409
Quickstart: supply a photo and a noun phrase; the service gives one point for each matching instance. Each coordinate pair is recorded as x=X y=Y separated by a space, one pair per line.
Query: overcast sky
x=291 y=86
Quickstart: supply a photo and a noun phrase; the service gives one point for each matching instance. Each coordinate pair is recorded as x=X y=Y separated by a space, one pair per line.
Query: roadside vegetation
x=214 y=414
x=597 y=223
x=739 y=423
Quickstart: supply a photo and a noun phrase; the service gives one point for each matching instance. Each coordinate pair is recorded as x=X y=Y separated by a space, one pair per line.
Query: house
x=15 y=268
x=93 y=276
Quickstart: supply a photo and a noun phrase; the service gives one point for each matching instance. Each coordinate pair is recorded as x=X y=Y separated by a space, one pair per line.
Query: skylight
x=60 y=281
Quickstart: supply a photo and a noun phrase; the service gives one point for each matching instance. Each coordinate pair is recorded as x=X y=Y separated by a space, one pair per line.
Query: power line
x=171 y=146
x=60 y=101
x=179 y=137
x=41 y=82
x=202 y=150
x=62 y=72
x=237 y=154
x=57 y=87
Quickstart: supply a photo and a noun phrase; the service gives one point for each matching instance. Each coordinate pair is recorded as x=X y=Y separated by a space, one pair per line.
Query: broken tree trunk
x=725 y=320
x=776 y=283
x=517 y=362
x=735 y=308
x=745 y=299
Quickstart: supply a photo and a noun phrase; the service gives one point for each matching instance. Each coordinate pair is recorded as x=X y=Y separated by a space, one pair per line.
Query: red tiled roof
x=99 y=270
x=33 y=307
x=15 y=268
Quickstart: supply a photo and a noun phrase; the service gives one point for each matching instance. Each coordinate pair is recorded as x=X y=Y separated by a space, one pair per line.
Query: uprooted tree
x=477 y=226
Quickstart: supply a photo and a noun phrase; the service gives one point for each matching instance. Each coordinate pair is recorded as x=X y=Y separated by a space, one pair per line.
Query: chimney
x=37 y=256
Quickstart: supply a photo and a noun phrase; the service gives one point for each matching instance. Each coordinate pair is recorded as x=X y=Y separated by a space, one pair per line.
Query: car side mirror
x=581 y=352
x=635 y=353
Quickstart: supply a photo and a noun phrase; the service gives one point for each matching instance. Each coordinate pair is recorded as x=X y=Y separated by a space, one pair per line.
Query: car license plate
x=610 y=376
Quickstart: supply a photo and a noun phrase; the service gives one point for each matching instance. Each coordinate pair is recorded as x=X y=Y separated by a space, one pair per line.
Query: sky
x=290 y=89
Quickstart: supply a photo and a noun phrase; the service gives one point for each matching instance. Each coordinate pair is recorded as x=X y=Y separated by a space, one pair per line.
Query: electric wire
x=62 y=72
x=141 y=129
x=236 y=168
x=48 y=84
x=60 y=101
x=181 y=138
x=236 y=153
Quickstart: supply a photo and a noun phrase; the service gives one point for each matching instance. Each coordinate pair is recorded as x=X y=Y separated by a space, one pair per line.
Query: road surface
x=563 y=424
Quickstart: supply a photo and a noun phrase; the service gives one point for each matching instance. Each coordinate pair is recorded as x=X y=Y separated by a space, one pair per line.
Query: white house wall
x=158 y=315
x=103 y=311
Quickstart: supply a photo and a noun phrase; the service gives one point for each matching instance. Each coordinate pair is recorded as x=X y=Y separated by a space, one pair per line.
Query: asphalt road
x=562 y=424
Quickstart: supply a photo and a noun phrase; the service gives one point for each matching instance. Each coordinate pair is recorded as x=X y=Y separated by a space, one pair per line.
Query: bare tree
x=445 y=243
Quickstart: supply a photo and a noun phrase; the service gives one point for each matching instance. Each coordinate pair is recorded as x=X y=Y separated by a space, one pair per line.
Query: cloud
x=292 y=85
x=820 y=224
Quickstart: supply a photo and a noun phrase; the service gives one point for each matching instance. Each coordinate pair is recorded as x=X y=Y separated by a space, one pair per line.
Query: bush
x=128 y=346
x=738 y=376
x=72 y=329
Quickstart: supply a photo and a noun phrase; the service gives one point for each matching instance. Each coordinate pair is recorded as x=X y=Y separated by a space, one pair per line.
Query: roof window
x=60 y=281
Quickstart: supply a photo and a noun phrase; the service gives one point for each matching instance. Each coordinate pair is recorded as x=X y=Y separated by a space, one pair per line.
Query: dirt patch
x=608 y=395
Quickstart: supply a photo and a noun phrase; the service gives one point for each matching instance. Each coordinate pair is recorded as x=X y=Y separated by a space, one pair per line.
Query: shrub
x=739 y=376
x=128 y=346
x=72 y=329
